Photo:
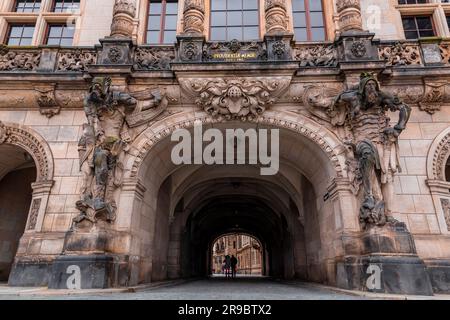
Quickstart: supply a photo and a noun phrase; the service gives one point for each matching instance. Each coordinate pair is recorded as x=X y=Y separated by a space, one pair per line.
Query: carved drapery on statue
x=372 y=145
x=193 y=17
x=349 y=15
x=124 y=13
x=276 y=16
x=101 y=149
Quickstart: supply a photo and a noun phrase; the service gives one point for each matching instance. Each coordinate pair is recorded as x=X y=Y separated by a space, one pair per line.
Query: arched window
x=234 y=19
x=162 y=21
x=308 y=19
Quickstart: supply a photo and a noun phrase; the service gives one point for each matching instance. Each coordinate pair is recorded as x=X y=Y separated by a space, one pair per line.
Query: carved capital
x=243 y=98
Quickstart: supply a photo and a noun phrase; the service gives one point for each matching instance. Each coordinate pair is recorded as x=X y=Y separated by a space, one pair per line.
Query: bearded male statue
x=374 y=144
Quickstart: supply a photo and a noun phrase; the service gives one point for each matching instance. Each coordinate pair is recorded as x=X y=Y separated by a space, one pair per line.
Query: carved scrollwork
x=316 y=56
x=47 y=102
x=400 y=54
x=18 y=60
x=276 y=16
x=124 y=12
x=154 y=58
x=440 y=157
x=235 y=98
x=445 y=52
x=193 y=16
x=76 y=61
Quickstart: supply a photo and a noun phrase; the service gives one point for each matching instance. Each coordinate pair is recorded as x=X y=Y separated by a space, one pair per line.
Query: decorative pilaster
x=122 y=24
x=349 y=15
x=276 y=17
x=194 y=17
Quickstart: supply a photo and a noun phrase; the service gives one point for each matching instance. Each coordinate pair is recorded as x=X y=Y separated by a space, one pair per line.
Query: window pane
x=16 y=31
x=409 y=24
x=411 y=35
x=218 y=5
x=25 y=42
x=298 y=5
x=315 y=5
x=68 y=32
x=299 y=20
x=251 y=18
x=234 y=33
x=218 y=19
x=234 y=18
x=154 y=23
x=28 y=32
x=170 y=37
x=53 y=41
x=300 y=34
x=171 y=8
x=13 y=41
x=153 y=37
x=424 y=23
x=426 y=33
x=155 y=8
x=251 y=33
x=318 y=34
x=170 y=23
x=250 y=4
x=316 y=19
x=234 y=4
x=218 y=34
x=55 y=32
x=66 y=42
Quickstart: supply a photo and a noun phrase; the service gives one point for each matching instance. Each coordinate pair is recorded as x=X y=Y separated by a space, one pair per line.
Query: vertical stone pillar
x=278 y=38
x=122 y=24
x=194 y=17
x=349 y=15
x=276 y=16
x=190 y=43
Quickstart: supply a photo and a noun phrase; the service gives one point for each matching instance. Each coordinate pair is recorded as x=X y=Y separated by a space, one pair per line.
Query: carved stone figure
x=77 y=61
x=101 y=148
x=363 y=111
x=316 y=56
x=154 y=58
x=18 y=60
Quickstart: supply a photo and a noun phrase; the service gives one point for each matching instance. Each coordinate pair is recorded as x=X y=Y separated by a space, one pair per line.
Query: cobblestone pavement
x=208 y=289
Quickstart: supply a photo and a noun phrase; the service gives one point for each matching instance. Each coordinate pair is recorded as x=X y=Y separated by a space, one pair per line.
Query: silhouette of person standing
x=234 y=262
x=227 y=265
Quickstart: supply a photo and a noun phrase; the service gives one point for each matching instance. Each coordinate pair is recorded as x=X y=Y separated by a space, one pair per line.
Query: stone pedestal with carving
x=279 y=47
x=387 y=263
x=190 y=48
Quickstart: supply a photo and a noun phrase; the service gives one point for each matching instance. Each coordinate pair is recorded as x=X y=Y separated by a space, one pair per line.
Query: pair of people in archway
x=229 y=266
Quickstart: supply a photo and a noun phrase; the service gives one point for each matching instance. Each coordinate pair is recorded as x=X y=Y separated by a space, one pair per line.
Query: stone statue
x=363 y=112
x=101 y=148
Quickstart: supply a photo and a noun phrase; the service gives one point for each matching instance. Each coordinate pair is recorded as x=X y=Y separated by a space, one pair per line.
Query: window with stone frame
x=234 y=19
x=20 y=34
x=27 y=6
x=412 y=1
x=162 y=16
x=60 y=34
x=416 y=27
x=308 y=20
x=65 y=5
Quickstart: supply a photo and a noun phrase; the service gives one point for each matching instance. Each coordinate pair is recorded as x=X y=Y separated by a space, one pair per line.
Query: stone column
x=122 y=24
x=276 y=16
x=349 y=15
x=190 y=43
x=194 y=17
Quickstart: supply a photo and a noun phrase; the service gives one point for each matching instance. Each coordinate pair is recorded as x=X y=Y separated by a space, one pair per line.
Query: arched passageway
x=17 y=173
x=184 y=208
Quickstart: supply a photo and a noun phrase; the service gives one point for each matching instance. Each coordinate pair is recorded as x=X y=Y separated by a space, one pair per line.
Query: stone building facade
x=91 y=92
x=245 y=248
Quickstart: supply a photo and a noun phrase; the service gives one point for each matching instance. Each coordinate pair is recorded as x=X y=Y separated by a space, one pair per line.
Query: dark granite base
x=30 y=274
x=399 y=274
x=439 y=272
x=96 y=272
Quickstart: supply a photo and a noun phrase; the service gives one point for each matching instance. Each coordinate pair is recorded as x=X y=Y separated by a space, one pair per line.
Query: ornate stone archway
x=37 y=147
